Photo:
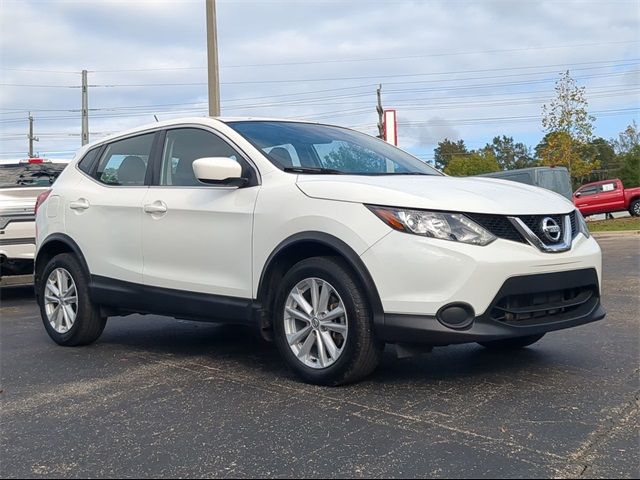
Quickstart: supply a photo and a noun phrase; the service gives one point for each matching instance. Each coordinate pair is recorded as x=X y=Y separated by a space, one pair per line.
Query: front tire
x=323 y=323
x=512 y=343
x=634 y=208
x=68 y=314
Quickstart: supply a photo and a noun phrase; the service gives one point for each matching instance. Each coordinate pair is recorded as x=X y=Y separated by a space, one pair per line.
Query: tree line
x=568 y=142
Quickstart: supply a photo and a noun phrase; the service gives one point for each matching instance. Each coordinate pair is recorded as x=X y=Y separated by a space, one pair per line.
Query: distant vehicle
x=330 y=241
x=555 y=179
x=21 y=182
x=607 y=196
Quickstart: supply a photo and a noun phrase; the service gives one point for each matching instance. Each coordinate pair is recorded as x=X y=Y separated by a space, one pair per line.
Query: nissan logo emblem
x=551 y=229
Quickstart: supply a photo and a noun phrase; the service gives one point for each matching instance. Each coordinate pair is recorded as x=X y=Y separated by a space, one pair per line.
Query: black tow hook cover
x=457 y=315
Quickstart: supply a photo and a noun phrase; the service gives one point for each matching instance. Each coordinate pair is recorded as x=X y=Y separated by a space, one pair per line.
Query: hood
x=471 y=194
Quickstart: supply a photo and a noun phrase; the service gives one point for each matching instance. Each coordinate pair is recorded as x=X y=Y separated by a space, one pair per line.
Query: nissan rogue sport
x=330 y=241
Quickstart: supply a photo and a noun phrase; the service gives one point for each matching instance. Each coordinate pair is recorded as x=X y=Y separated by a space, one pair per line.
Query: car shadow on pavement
x=242 y=345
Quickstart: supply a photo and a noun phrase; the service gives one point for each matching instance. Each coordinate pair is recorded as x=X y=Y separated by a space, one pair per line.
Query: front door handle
x=156 y=207
x=80 y=204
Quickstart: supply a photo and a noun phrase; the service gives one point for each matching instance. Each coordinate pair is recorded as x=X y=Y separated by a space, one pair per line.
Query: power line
x=612 y=64
x=372 y=59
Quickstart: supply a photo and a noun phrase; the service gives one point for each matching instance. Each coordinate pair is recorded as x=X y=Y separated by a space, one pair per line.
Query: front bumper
x=416 y=277
x=523 y=292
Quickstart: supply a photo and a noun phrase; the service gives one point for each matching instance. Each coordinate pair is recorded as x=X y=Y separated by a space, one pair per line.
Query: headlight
x=582 y=224
x=446 y=226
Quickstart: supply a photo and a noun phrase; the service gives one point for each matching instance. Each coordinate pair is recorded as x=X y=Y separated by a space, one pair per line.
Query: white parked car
x=331 y=241
x=21 y=181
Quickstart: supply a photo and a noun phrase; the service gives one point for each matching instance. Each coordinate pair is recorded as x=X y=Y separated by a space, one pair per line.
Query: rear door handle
x=156 y=207
x=80 y=204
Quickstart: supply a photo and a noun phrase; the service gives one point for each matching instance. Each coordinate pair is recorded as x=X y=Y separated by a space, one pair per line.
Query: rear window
x=30 y=174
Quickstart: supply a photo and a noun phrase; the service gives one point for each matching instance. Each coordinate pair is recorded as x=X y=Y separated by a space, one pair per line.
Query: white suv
x=330 y=241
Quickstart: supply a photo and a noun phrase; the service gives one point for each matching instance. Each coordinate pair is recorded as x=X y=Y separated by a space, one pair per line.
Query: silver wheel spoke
x=322 y=353
x=69 y=315
x=70 y=293
x=323 y=301
x=306 y=346
x=298 y=315
x=329 y=344
x=315 y=293
x=316 y=337
x=333 y=314
x=297 y=337
x=302 y=303
x=52 y=288
x=50 y=298
x=57 y=315
x=335 y=327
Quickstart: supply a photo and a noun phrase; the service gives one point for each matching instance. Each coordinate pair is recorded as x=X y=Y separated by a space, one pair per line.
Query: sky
x=457 y=69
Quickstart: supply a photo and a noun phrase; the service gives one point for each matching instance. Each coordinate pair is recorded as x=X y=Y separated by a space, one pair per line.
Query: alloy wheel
x=315 y=323
x=61 y=300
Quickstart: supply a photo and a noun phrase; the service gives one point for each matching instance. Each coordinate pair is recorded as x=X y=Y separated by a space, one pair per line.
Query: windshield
x=311 y=148
x=30 y=175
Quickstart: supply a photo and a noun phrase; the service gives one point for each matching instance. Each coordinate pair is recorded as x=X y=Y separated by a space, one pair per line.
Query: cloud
x=423 y=44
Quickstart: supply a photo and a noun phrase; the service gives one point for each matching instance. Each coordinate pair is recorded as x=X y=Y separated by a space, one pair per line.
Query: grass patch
x=617 y=224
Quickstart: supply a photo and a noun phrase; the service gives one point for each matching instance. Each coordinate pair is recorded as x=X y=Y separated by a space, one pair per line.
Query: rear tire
x=634 y=208
x=352 y=351
x=512 y=343
x=68 y=322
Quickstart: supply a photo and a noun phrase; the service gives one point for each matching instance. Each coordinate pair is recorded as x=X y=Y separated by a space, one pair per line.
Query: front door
x=197 y=237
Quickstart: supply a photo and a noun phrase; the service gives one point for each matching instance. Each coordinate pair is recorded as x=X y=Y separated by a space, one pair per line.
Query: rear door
x=198 y=237
x=104 y=213
x=611 y=196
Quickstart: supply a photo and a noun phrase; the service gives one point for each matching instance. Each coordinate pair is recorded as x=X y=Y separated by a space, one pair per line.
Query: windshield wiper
x=318 y=170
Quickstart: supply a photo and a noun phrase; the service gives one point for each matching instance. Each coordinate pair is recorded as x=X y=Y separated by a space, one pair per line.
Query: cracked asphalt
x=157 y=397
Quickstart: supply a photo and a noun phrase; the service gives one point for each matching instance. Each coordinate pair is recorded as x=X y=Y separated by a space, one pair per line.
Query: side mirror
x=219 y=171
x=578 y=194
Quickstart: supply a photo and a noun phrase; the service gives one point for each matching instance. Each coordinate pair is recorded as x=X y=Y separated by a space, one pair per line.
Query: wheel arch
x=306 y=245
x=53 y=245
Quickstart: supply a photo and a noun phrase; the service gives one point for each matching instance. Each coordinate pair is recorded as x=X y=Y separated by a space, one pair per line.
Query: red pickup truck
x=607 y=196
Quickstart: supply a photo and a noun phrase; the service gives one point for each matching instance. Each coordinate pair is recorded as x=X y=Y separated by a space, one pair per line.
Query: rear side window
x=609 y=187
x=89 y=159
x=124 y=163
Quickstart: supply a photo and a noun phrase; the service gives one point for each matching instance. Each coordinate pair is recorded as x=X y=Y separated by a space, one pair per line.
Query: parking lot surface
x=160 y=397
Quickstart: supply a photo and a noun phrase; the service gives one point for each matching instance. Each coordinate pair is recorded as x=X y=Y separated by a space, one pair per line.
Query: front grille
x=535 y=308
x=501 y=226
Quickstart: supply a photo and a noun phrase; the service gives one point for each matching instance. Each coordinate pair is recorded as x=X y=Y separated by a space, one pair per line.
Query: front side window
x=184 y=145
x=328 y=149
x=588 y=191
x=124 y=163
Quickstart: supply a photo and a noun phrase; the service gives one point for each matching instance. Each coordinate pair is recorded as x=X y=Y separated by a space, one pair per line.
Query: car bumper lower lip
x=399 y=328
x=525 y=305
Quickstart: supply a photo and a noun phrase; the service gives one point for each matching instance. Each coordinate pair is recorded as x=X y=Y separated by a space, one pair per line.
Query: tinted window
x=125 y=162
x=87 y=162
x=183 y=146
x=589 y=191
x=333 y=148
x=30 y=175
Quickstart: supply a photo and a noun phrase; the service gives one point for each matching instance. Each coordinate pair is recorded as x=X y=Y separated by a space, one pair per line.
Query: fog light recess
x=456 y=315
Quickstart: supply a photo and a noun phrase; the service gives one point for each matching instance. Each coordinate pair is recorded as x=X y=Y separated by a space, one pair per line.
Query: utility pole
x=212 y=59
x=380 y=113
x=31 y=137
x=85 y=109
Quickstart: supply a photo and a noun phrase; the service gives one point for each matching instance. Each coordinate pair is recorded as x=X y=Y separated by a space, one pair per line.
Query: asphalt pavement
x=158 y=397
